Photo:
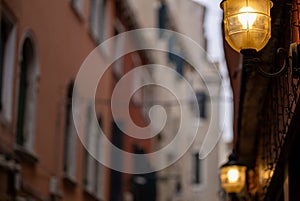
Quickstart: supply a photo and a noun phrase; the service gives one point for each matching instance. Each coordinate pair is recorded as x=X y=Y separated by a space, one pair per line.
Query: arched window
x=7 y=59
x=27 y=93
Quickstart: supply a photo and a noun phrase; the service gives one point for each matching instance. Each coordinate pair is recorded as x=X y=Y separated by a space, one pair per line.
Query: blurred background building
x=43 y=44
x=190 y=178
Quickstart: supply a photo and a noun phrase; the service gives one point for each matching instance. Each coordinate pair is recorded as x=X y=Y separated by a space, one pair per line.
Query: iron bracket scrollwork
x=251 y=60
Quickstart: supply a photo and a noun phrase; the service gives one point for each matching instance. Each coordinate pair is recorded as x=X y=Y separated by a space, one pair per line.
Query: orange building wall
x=63 y=41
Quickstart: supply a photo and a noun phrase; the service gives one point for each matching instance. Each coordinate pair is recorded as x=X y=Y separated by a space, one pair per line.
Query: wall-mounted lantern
x=233 y=175
x=247 y=28
x=247 y=23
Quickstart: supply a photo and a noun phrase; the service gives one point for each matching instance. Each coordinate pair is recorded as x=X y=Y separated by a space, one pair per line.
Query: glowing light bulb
x=247 y=17
x=233 y=175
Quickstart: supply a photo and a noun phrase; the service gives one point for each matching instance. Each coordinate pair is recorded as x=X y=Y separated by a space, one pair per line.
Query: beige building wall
x=175 y=182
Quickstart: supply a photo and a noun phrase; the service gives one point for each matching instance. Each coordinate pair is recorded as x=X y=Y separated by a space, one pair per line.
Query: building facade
x=192 y=177
x=43 y=45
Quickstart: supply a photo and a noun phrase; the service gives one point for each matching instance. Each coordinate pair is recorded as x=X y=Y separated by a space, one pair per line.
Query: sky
x=214 y=13
x=213 y=34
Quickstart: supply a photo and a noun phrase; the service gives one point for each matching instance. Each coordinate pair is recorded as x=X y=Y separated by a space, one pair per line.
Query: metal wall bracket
x=281 y=52
x=251 y=61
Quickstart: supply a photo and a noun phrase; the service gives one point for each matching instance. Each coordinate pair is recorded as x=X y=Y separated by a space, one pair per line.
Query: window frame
x=77 y=6
x=120 y=43
x=28 y=123
x=197 y=169
x=7 y=69
x=93 y=171
x=70 y=138
x=98 y=20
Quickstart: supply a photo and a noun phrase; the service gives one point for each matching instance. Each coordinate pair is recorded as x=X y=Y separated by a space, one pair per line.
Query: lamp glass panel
x=233 y=175
x=233 y=178
x=247 y=23
x=247 y=17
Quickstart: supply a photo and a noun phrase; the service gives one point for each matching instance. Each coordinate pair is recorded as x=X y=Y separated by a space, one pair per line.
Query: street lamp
x=247 y=23
x=247 y=29
x=233 y=175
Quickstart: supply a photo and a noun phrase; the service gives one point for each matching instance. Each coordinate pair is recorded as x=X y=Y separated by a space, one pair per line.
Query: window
x=175 y=55
x=137 y=82
x=93 y=175
x=201 y=98
x=97 y=19
x=162 y=18
x=28 y=83
x=147 y=99
x=143 y=186
x=7 y=59
x=70 y=138
x=116 y=176
x=196 y=169
x=118 y=50
x=201 y=102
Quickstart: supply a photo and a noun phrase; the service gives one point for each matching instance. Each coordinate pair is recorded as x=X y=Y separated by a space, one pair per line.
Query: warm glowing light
x=247 y=23
x=247 y=17
x=233 y=175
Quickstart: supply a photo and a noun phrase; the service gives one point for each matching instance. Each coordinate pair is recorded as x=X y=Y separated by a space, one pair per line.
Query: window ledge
x=9 y=163
x=59 y=195
x=77 y=12
x=26 y=155
x=91 y=195
x=69 y=180
x=3 y=121
x=104 y=53
x=197 y=187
